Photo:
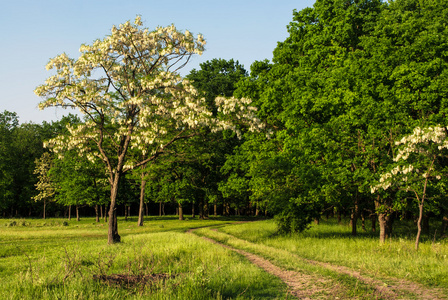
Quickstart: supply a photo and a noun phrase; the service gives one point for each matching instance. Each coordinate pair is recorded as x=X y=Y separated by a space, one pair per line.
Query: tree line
x=349 y=117
x=355 y=95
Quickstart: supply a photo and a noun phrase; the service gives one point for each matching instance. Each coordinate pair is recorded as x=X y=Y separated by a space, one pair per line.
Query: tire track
x=300 y=285
x=304 y=286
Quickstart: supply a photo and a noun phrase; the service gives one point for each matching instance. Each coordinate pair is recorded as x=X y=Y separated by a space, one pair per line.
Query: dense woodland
x=354 y=107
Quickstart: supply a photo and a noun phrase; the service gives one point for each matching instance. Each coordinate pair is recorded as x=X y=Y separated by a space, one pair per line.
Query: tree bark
x=181 y=212
x=97 y=214
x=206 y=212
x=444 y=226
x=419 y=225
x=363 y=220
x=77 y=212
x=201 y=210
x=112 y=234
x=385 y=218
x=354 y=218
x=385 y=221
x=69 y=212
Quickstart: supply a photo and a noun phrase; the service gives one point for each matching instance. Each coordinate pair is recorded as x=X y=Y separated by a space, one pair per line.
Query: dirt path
x=391 y=290
x=304 y=286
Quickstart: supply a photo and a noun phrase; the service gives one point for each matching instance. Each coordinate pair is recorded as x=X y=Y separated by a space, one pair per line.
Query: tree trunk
x=112 y=234
x=363 y=220
x=383 y=231
x=215 y=209
x=354 y=218
x=77 y=212
x=419 y=225
x=69 y=212
x=201 y=210
x=45 y=206
x=192 y=211
x=373 y=220
x=339 y=216
x=224 y=209
x=97 y=214
x=206 y=212
x=146 y=209
x=181 y=212
x=385 y=219
x=105 y=213
x=101 y=212
x=444 y=226
x=160 y=208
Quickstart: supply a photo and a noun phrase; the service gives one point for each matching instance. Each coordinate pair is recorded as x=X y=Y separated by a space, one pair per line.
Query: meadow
x=170 y=259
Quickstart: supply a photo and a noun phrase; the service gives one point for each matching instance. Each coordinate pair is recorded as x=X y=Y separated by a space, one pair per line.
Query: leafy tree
x=78 y=181
x=45 y=185
x=418 y=166
x=310 y=98
x=8 y=124
x=405 y=69
x=135 y=100
x=215 y=78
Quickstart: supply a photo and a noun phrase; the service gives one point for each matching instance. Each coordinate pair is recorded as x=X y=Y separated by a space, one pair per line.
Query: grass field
x=59 y=259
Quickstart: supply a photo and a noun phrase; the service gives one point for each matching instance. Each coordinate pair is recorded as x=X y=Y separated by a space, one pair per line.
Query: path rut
x=304 y=286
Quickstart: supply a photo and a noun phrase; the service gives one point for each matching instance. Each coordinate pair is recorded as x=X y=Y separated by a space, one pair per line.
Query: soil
x=304 y=286
x=130 y=280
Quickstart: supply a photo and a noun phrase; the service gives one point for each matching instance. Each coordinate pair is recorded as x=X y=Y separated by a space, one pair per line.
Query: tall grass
x=333 y=243
x=54 y=261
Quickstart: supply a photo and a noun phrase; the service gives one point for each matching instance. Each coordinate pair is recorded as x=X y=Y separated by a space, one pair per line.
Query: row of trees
x=352 y=94
x=348 y=117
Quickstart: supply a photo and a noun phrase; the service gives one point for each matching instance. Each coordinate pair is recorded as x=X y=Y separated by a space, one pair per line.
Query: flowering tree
x=45 y=185
x=416 y=166
x=132 y=96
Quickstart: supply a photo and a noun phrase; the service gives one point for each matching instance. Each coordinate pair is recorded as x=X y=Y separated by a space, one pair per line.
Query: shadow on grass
x=404 y=229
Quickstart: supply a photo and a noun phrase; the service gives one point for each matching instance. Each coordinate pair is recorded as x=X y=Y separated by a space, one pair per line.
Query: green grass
x=50 y=259
x=348 y=287
x=53 y=261
x=330 y=242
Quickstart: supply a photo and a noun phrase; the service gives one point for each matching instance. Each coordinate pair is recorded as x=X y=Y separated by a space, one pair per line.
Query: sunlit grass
x=53 y=261
x=349 y=287
x=330 y=242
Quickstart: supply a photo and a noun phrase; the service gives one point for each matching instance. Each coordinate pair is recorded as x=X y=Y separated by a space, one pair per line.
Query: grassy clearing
x=53 y=261
x=330 y=242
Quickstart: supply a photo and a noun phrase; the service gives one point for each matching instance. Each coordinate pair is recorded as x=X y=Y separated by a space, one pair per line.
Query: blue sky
x=32 y=32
